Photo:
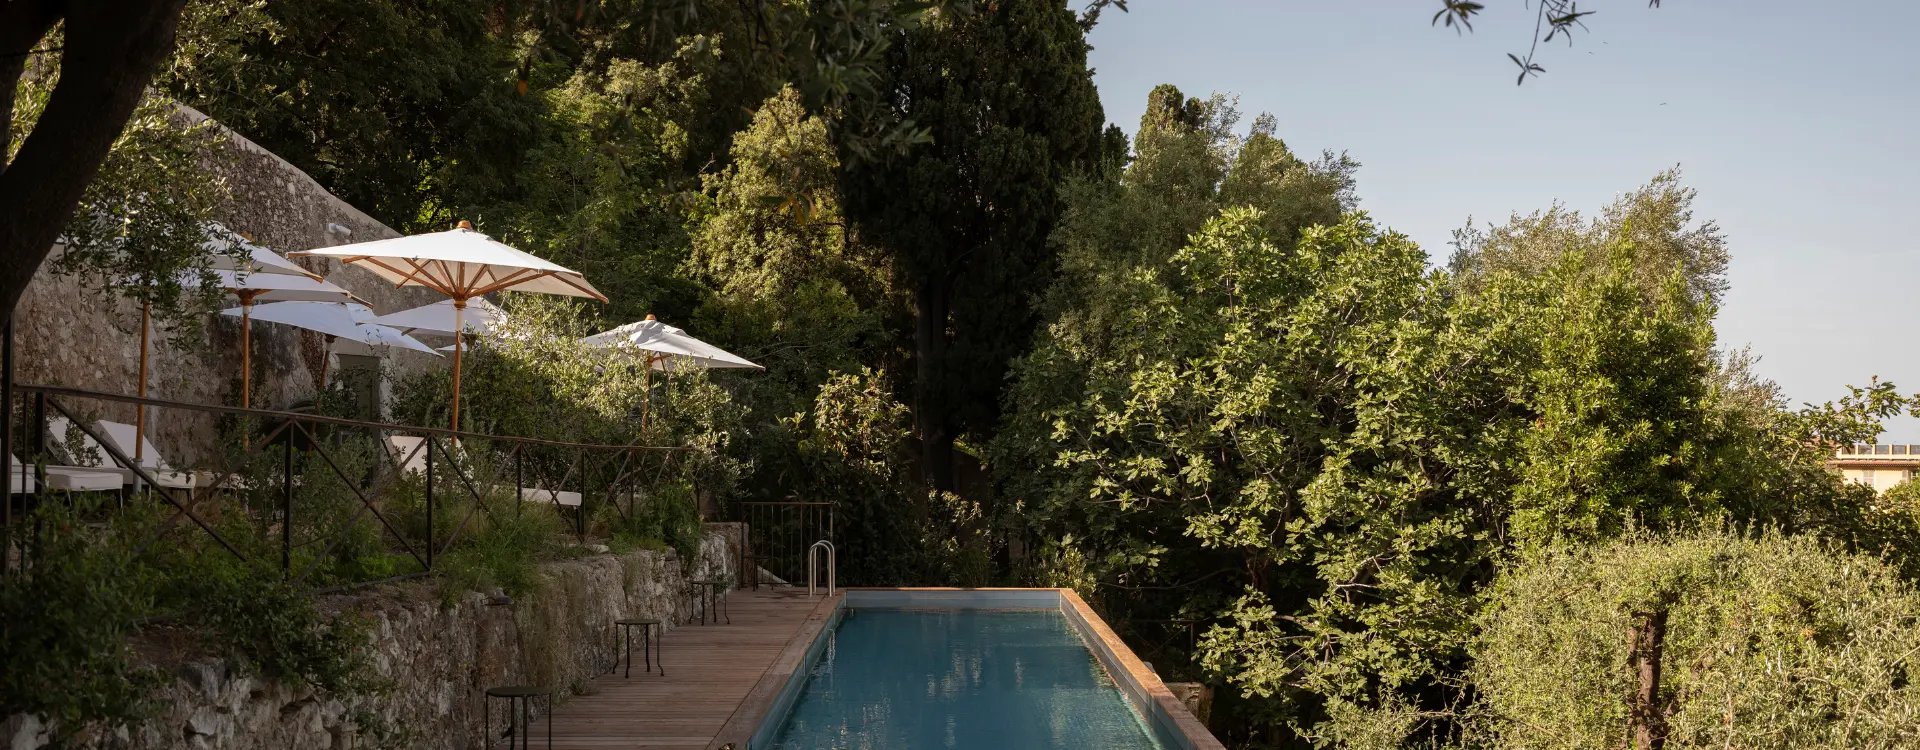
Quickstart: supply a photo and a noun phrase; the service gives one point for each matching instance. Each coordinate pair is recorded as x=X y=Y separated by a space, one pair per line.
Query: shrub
x=1769 y=642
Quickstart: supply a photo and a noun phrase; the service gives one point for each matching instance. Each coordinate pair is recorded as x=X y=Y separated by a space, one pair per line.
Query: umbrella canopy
x=669 y=348
x=481 y=317
x=266 y=277
x=345 y=320
x=462 y=264
x=221 y=240
x=259 y=286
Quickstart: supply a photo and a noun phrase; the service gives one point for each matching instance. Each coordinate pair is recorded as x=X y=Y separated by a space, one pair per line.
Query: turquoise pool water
x=960 y=679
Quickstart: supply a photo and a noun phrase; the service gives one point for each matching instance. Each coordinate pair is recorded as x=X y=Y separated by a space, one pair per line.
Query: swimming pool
x=995 y=669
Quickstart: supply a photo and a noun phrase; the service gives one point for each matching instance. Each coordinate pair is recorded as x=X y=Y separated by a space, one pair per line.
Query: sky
x=1798 y=123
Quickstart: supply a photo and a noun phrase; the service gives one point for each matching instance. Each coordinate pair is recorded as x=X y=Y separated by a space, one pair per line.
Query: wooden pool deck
x=710 y=670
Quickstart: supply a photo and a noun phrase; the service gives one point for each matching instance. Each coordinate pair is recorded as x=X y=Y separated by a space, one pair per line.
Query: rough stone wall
x=70 y=335
x=438 y=660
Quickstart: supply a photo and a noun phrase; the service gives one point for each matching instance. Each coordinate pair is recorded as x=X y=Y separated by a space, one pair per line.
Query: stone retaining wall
x=69 y=334
x=438 y=660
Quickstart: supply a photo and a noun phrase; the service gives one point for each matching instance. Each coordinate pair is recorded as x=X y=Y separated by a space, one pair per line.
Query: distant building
x=1877 y=466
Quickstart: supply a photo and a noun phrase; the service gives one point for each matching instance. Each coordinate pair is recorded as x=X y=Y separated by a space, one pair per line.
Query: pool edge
x=766 y=693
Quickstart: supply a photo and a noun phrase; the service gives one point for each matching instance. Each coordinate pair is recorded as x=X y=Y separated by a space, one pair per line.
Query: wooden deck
x=709 y=672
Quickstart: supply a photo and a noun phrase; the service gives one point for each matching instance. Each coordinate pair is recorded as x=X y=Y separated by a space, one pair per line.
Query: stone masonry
x=436 y=659
x=71 y=335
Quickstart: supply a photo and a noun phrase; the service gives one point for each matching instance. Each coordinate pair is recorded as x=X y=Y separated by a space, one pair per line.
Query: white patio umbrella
x=667 y=349
x=345 y=320
x=480 y=317
x=261 y=286
x=241 y=273
x=462 y=264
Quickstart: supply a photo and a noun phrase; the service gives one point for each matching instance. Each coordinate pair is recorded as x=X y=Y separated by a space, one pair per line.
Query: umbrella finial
x=649 y=316
x=464 y=224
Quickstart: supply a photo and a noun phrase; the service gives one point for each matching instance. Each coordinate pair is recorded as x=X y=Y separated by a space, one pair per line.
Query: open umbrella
x=480 y=317
x=241 y=266
x=346 y=320
x=462 y=264
x=667 y=349
x=263 y=286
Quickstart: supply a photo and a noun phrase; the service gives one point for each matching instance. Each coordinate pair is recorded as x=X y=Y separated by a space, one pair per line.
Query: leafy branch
x=1552 y=19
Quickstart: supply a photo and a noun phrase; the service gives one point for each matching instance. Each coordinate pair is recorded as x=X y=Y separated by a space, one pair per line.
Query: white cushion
x=556 y=497
x=74 y=479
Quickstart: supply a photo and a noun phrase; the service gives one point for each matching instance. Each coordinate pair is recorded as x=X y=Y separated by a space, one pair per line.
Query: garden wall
x=437 y=658
x=68 y=334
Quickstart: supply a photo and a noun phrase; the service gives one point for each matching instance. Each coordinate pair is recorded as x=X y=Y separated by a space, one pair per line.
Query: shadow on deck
x=709 y=672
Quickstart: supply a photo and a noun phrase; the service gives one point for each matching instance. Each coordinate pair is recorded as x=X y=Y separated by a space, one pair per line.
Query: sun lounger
x=411 y=454
x=65 y=478
x=120 y=435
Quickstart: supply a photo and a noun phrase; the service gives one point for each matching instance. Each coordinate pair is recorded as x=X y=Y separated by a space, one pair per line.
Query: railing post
x=286 y=500
x=580 y=513
x=428 y=442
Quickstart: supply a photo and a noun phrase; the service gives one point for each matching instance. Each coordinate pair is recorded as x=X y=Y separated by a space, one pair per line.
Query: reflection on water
x=962 y=679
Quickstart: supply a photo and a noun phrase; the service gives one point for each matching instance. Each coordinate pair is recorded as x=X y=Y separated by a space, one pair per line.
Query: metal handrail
x=813 y=563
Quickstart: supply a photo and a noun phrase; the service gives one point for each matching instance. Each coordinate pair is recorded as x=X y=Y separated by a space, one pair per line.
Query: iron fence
x=778 y=535
x=315 y=488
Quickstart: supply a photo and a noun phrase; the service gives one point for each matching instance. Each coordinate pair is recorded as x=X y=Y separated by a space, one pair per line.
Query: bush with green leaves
x=96 y=578
x=1770 y=641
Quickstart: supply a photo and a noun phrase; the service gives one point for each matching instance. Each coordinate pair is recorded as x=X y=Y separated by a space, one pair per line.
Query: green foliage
x=504 y=552
x=852 y=448
x=1657 y=219
x=1008 y=101
x=98 y=580
x=274 y=627
x=1322 y=451
x=141 y=228
x=668 y=517
x=66 y=624
x=1770 y=642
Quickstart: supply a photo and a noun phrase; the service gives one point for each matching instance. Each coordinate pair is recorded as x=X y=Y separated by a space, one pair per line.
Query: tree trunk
x=931 y=418
x=1647 y=717
x=110 y=52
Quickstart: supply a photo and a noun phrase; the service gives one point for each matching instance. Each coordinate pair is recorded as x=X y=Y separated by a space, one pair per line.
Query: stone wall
x=68 y=334
x=438 y=660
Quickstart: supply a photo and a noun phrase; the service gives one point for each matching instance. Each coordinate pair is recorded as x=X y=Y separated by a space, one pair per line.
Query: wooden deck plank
x=710 y=671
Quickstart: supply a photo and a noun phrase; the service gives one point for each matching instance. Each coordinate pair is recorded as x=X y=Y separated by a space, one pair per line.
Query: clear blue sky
x=1799 y=123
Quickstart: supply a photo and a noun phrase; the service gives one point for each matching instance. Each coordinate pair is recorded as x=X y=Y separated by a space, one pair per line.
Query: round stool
x=521 y=695
x=647 y=642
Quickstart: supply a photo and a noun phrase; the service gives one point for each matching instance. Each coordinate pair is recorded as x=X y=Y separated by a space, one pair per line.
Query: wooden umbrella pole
x=646 y=392
x=246 y=350
x=140 y=416
x=459 y=309
x=326 y=357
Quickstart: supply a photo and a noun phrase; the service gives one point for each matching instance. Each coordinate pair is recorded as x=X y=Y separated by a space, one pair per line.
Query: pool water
x=966 y=679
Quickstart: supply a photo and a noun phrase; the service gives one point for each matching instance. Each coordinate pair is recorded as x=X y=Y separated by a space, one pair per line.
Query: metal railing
x=290 y=467
x=778 y=535
x=813 y=569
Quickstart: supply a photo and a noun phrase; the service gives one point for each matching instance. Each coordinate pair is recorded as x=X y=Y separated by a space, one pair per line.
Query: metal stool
x=647 y=642
x=707 y=593
x=516 y=726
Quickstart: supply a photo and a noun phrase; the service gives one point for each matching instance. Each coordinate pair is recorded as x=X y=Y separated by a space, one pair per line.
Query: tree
x=1657 y=218
x=1006 y=98
x=1701 y=640
x=108 y=52
x=788 y=287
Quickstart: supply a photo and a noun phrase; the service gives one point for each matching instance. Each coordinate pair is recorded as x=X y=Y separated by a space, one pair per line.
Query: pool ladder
x=813 y=566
